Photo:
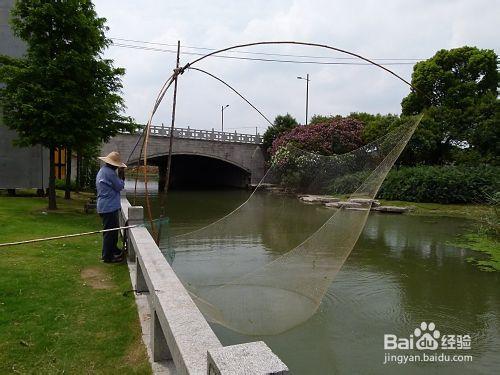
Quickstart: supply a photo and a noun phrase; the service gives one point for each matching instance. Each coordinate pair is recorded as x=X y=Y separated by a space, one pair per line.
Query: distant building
x=26 y=167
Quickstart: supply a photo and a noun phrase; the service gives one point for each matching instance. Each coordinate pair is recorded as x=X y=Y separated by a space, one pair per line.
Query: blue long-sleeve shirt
x=108 y=186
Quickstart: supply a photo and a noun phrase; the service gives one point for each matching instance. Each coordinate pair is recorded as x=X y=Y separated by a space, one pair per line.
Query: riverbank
x=61 y=309
x=469 y=211
x=481 y=237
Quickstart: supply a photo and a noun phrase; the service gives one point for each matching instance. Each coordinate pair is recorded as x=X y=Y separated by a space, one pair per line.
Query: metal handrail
x=206 y=135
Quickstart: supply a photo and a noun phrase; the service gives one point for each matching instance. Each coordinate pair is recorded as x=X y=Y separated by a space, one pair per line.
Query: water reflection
x=402 y=271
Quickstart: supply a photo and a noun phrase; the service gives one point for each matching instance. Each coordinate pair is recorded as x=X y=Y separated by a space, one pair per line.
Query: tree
x=458 y=90
x=282 y=124
x=321 y=119
x=375 y=126
x=62 y=94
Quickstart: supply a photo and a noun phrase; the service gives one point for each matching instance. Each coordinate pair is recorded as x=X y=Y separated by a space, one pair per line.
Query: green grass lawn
x=61 y=309
x=470 y=211
x=484 y=243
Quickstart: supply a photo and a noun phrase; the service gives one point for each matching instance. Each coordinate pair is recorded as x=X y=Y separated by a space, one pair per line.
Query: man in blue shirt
x=109 y=184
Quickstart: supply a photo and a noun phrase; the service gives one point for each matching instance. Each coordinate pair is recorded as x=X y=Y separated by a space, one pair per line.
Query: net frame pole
x=170 y=141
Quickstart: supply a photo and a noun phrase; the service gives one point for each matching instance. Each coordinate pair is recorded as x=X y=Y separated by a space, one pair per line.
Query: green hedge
x=437 y=184
x=442 y=184
x=61 y=184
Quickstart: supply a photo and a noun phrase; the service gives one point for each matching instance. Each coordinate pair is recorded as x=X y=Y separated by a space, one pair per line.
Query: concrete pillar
x=140 y=282
x=162 y=175
x=136 y=216
x=250 y=358
x=159 y=346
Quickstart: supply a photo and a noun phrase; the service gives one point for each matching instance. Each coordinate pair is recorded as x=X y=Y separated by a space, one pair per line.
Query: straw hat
x=113 y=158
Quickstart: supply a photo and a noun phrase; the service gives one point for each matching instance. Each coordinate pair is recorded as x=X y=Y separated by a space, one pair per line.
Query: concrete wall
x=246 y=156
x=9 y=44
x=19 y=167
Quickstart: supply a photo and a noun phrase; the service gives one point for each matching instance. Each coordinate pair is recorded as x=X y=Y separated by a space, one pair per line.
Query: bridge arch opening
x=191 y=171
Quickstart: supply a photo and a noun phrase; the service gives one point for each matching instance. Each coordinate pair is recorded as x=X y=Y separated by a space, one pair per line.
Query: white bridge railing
x=206 y=135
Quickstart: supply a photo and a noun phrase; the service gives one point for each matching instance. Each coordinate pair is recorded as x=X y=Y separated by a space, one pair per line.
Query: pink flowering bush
x=337 y=136
x=296 y=155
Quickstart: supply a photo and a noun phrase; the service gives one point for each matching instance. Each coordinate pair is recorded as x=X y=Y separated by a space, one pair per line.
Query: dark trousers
x=110 y=239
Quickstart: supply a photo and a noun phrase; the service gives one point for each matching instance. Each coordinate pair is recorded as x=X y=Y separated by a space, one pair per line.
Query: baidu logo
x=426 y=344
x=427 y=337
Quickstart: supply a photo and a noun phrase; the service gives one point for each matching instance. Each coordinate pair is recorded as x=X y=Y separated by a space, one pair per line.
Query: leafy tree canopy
x=62 y=93
x=424 y=146
x=282 y=124
x=321 y=119
x=458 y=89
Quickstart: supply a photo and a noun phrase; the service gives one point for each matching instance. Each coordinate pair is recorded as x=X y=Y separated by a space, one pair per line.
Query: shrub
x=433 y=184
x=348 y=183
x=442 y=184
x=297 y=170
x=338 y=136
x=61 y=184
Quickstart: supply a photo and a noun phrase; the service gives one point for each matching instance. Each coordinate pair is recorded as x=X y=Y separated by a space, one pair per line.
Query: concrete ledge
x=160 y=367
x=186 y=331
x=178 y=332
x=252 y=358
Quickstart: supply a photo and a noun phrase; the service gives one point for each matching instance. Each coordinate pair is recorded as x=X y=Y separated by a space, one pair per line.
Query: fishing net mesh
x=243 y=278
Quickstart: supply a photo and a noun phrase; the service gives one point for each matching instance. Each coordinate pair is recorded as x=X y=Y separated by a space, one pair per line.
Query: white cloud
x=389 y=29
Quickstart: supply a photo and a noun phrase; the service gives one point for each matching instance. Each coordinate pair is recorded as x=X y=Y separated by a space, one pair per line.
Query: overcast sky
x=410 y=29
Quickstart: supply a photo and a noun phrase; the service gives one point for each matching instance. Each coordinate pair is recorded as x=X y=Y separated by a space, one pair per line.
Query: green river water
x=402 y=271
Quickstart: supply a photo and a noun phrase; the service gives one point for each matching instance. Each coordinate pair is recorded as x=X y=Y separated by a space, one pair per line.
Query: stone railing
x=207 y=135
x=178 y=331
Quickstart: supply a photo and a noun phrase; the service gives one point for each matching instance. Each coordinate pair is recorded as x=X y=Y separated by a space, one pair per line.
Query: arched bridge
x=200 y=158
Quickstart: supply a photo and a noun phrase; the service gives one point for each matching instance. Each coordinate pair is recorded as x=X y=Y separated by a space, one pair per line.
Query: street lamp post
x=307 y=94
x=222 y=108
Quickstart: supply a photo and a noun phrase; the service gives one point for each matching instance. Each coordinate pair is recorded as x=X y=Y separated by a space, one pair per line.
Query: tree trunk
x=78 y=180
x=67 y=190
x=52 y=181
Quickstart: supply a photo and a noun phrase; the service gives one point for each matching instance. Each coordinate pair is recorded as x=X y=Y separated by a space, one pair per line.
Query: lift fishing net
x=264 y=269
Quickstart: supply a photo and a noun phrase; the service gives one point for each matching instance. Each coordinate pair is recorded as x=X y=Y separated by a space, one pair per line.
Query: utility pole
x=222 y=108
x=307 y=95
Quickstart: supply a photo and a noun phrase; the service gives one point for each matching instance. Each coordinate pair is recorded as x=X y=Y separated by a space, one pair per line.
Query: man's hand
x=121 y=173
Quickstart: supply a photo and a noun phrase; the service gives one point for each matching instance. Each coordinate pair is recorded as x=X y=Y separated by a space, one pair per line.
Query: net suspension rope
x=143 y=156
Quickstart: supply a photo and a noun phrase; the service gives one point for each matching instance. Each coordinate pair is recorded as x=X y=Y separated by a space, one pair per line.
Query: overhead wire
x=264 y=53
x=291 y=42
x=130 y=46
